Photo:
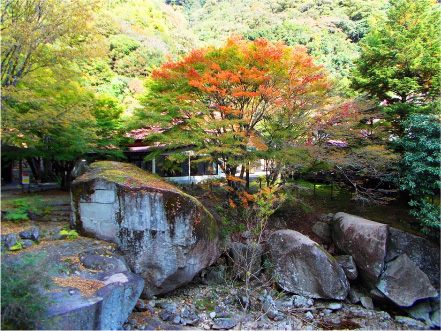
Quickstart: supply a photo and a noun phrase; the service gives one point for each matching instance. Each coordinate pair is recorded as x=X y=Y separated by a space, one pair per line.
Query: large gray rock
x=420 y=251
x=404 y=283
x=165 y=235
x=106 y=309
x=365 y=240
x=302 y=267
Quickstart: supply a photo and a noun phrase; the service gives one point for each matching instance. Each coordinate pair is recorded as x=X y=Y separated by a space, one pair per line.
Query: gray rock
x=166 y=315
x=410 y=323
x=420 y=251
x=223 y=323
x=95 y=261
x=348 y=265
x=365 y=241
x=176 y=319
x=165 y=235
x=107 y=309
x=27 y=243
x=302 y=267
x=216 y=275
x=269 y=307
x=435 y=318
x=33 y=233
x=140 y=306
x=404 y=283
x=11 y=241
x=367 y=303
x=299 y=301
x=323 y=231
x=309 y=315
x=246 y=258
x=420 y=311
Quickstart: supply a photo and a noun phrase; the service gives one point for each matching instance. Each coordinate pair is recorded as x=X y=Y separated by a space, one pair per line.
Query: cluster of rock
x=167 y=238
x=378 y=264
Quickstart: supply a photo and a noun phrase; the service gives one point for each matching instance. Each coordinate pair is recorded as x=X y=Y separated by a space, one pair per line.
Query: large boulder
x=404 y=283
x=365 y=240
x=302 y=267
x=105 y=309
x=80 y=297
x=165 y=235
x=420 y=251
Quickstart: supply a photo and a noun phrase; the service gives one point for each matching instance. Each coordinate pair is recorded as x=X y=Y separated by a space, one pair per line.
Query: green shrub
x=22 y=207
x=22 y=302
x=70 y=234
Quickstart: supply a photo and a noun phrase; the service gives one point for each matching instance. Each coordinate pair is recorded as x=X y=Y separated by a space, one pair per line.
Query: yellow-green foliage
x=126 y=174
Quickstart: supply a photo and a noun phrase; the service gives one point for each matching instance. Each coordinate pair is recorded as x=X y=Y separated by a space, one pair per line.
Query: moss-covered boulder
x=165 y=235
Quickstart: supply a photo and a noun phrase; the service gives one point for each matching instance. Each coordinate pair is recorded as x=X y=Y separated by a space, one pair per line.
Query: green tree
x=421 y=168
x=400 y=56
x=218 y=99
x=41 y=33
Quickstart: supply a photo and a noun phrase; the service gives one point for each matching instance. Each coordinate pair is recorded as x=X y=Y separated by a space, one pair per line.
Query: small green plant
x=17 y=246
x=22 y=304
x=70 y=234
x=22 y=207
x=219 y=209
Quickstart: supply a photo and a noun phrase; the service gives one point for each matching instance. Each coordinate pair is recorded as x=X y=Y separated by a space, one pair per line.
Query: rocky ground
x=199 y=306
x=215 y=300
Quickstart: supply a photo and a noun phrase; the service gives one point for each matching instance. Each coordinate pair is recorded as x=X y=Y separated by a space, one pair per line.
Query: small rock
x=140 y=306
x=216 y=275
x=420 y=311
x=176 y=319
x=33 y=233
x=367 y=303
x=11 y=242
x=247 y=235
x=299 y=301
x=27 y=243
x=330 y=305
x=165 y=315
x=269 y=307
x=348 y=265
x=223 y=323
x=309 y=315
x=323 y=231
x=435 y=318
x=410 y=322
x=150 y=308
x=212 y=315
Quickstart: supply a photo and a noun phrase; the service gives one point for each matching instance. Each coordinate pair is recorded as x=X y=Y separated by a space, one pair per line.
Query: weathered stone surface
x=420 y=311
x=365 y=240
x=323 y=231
x=93 y=260
x=367 y=303
x=348 y=264
x=246 y=258
x=223 y=323
x=420 y=251
x=33 y=234
x=106 y=309
x=302 y=267
x=165 y=235
x=404 y=283
x=269 y=307
x=11 y=241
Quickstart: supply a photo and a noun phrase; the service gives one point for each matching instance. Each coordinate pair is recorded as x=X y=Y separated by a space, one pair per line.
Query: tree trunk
x=64 y=171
